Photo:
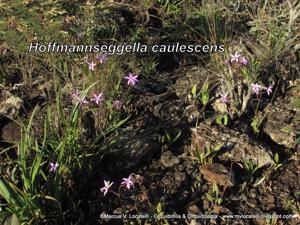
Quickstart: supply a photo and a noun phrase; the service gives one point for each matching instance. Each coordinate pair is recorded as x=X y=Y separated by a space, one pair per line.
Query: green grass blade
x=9 y=193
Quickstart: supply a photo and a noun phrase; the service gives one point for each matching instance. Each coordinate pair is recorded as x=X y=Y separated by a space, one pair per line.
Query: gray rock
x=281 y=125
x=167 y=159
x=217 y=174
x=193 y=209
x=10 y=104
x=233 y=145
x=131 y=146
x=192 y=113
x=252 y=193
x=11 y=132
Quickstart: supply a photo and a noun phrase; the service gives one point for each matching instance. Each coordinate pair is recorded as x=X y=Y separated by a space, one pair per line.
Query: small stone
x=204 y=188
x=185 y=194
x=253 y=193
x=217 y=174
x=193 y=209
x=192 y=113
x=104 y=218
x=179 y=177
x=11 y=106
x=118 y=211
x=11 y=132
x=167 y=159
x=181 y=167
x=194 y=222
x=189 y=169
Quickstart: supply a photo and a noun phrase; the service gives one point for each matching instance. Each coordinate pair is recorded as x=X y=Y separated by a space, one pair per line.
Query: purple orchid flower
x=224 y=98
x=127 y=182
x=256 y=88
x=75 y=94
x=97 y=98
x=83 y=100
x=92 y=66
x=53 y=167
x=117 y=104
x=243 y=61
x=102 y=58
x=269 y=90
x=106 y=187
x=131 y=79
x=235 y=57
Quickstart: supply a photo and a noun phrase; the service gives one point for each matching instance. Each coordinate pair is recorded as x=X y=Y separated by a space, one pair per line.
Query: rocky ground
x=182 y=160
x=171 y=174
